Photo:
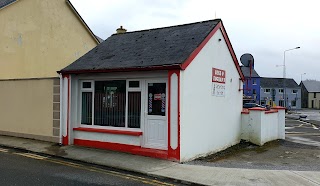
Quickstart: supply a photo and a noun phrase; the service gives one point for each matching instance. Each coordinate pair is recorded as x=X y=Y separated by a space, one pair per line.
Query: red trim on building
x=205 y=41
x=257 y=109
x=133 y=149
x=279 y=108
x=150 y=68
x=173 y=154
x=199 y=48
x=109 y=131
x=235 y=60
x=245 y=111
x=271 y=111
x=65 y=139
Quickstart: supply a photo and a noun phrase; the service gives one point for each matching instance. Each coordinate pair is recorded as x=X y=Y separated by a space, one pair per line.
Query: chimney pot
x=121 y=30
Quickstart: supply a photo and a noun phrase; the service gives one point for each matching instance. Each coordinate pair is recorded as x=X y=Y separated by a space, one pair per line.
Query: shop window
x=134 y=109
x=109 y=103
x=104 y=103
x=86 y=117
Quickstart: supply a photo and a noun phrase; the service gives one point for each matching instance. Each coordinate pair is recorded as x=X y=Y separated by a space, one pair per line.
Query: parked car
x=251 y=105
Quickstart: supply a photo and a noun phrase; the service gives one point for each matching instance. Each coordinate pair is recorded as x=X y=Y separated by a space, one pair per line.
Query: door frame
x=145 y=112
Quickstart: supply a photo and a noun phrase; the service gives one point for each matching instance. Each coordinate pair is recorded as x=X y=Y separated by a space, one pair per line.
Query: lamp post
x=284 y=76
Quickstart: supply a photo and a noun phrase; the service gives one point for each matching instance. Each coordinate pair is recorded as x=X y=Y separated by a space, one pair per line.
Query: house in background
x=38 y=37
x=272 y=92
x=251 y=85
x=165 y=93
x=310 y=94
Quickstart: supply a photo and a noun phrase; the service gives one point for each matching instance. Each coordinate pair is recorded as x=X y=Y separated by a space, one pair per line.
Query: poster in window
x=157 y=99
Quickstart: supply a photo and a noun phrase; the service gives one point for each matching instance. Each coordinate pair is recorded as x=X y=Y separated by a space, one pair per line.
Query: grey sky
x=263 y=28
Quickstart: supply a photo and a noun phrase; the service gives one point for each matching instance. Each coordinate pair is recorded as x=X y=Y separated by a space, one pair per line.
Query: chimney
x=121 y=30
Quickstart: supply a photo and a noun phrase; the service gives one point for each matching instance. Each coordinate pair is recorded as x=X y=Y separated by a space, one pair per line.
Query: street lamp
x=284 y=75
x=301 y=76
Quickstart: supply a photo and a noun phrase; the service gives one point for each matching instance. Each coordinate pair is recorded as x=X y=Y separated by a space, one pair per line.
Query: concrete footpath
x=196 y=174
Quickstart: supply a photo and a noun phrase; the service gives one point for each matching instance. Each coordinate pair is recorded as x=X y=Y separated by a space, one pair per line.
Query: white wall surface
x=245 y=120
x=111 y=138
x=208 y=123
x=260 y=127
x=269 y=127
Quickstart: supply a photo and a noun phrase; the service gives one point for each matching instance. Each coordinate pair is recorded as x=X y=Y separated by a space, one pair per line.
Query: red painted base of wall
x=132 y=149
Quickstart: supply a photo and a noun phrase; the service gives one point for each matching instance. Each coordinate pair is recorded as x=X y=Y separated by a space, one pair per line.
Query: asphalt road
x=302 y=132
x=23 y=168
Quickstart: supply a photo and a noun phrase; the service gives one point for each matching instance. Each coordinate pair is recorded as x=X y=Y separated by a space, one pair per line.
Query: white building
x=171 y=93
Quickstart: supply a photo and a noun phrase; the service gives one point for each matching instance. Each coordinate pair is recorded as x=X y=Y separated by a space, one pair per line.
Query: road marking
x=3 y=150
x=113 y=173
x=303 y=134
x=29 y=155
x=314 y=127
x=93 y=169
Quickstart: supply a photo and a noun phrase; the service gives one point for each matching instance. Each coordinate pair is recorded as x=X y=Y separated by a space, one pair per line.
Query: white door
x=156 y=125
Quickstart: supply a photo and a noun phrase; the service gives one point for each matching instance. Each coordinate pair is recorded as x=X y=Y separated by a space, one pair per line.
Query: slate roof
x=277 y=83
x=168 y=46
x=99 y=39
x=312 y=85
x=246 y=72
x=4 y=3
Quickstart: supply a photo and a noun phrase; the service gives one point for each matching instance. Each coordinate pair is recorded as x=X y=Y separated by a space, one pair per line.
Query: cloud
x=263 y=28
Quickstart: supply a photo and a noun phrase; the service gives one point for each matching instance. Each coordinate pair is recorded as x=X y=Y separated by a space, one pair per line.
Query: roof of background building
x=4 y=3
x=312 y=85
x=266 y=82
x=168 y=46
x=246 y=72
x=99 y=39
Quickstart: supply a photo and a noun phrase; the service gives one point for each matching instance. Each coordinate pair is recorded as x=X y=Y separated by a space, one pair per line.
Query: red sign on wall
x=218 y=76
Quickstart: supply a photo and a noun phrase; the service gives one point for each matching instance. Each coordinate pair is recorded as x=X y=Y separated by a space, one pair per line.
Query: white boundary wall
x=260 y=126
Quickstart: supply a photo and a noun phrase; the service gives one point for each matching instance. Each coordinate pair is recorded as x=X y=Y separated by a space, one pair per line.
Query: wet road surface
x=24 y=168
x=302 y=132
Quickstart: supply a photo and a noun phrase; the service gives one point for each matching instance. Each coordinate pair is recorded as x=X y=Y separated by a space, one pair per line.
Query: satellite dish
x=247 y=60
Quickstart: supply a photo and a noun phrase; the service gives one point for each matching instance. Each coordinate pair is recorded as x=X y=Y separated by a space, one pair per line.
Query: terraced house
x=38 y=37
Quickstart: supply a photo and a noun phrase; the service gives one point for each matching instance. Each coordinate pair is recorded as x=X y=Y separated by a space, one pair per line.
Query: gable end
x=205 y=41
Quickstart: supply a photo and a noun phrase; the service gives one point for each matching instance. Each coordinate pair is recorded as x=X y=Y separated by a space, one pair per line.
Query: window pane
x=109 y=103
x=157 y=99
x=86 y=116
x=134 y=109
x=134 y=84
x=86 y=84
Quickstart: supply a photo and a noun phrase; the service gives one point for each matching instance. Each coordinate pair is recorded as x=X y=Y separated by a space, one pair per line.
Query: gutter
x=151 y=68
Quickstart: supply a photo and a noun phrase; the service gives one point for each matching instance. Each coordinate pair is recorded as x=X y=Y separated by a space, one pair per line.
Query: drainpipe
x=60 y=130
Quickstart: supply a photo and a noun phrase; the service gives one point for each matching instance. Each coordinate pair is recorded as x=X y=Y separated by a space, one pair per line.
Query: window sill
x=109 y=131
